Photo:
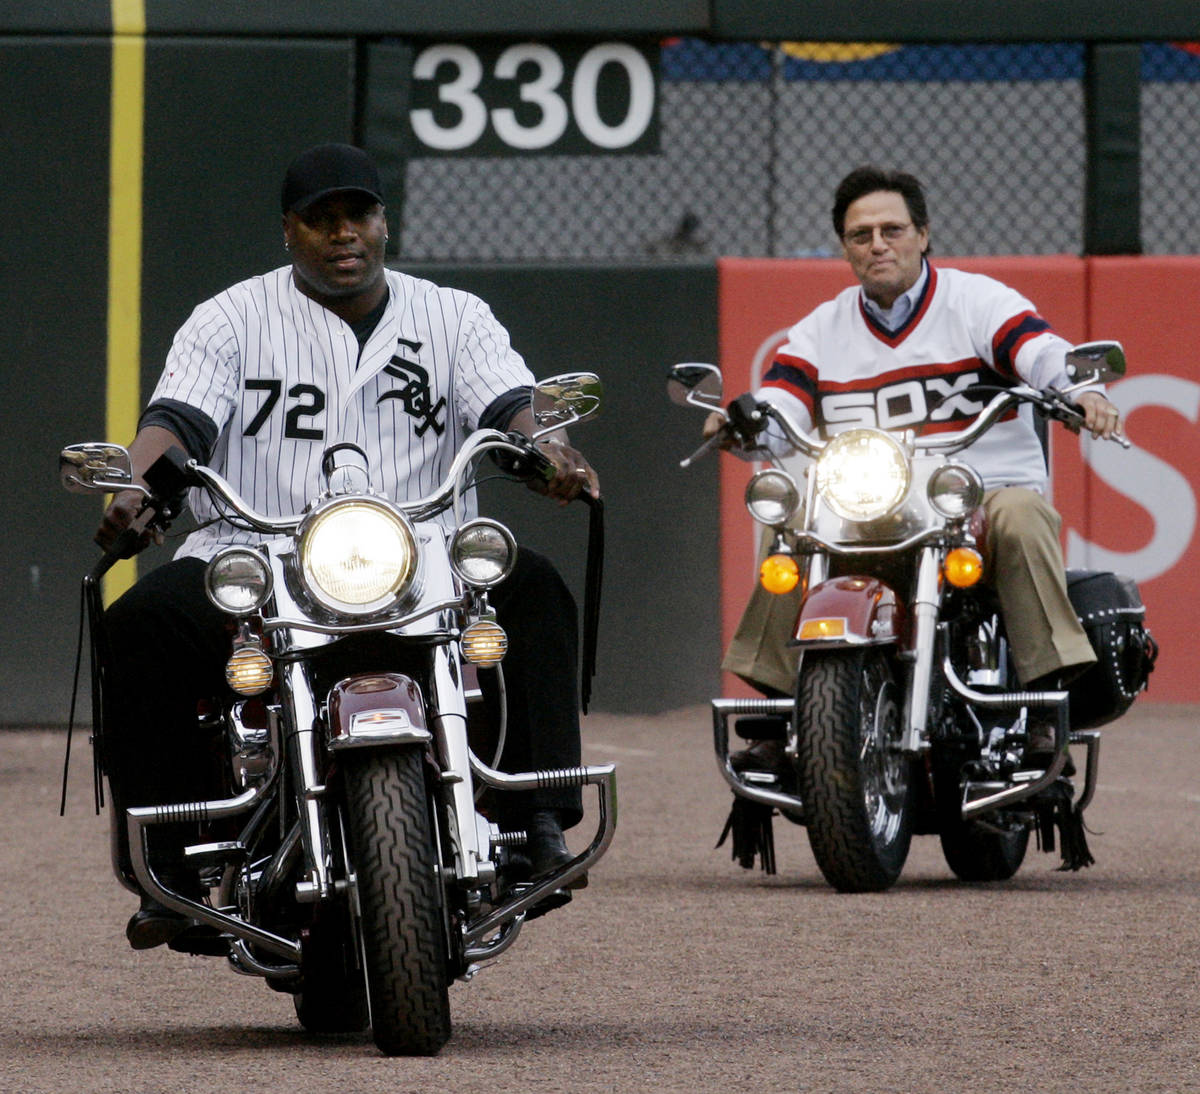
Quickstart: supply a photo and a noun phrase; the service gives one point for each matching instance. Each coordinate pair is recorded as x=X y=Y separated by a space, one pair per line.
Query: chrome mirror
x=96 y=466
x=695 y=384
x=564 y=400
x=1096 y=362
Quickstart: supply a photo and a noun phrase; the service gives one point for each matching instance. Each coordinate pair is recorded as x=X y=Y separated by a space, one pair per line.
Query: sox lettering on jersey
x=902 y=405
x=415 y=395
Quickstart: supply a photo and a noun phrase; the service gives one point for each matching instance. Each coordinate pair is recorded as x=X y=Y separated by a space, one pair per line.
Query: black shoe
x=1040 y=751
x=548 y=903
x=200 y=939
x=153 y=924
x=766 y=756
x=545 y=847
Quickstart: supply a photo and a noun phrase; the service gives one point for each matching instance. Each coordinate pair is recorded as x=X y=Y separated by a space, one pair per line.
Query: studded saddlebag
x=1111 y=611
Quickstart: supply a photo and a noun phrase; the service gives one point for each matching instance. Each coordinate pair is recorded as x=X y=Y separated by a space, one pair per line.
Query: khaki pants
x=1025 y=565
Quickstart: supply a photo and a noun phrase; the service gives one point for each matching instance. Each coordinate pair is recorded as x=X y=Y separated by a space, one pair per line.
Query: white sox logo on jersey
x=902 y=405
x=939 y=397
x=415 y=396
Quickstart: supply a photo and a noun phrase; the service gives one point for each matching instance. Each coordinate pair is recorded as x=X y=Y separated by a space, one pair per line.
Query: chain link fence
x=754 y=138
x=1170 y=120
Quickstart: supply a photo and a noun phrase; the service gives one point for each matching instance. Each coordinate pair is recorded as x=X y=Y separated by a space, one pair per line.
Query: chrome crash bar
x=723 y=710
x=141 y=818
x=994 y=796
x=603 y=777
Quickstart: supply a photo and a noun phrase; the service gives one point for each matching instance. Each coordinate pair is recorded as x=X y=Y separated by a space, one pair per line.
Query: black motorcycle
x=351 y=858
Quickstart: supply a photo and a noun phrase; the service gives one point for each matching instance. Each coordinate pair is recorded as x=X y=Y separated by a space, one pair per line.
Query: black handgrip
x=1062 y=409
x=531 y=463
x=541 y=465
x=747 y=419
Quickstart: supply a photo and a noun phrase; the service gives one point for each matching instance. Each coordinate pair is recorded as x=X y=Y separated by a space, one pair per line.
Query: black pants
x=168 y=646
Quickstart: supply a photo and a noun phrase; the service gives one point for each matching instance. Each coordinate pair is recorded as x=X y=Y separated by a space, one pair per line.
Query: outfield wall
x=142 y=172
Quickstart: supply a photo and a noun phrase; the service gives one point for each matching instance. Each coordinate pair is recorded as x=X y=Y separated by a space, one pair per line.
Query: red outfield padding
x=1132 y=511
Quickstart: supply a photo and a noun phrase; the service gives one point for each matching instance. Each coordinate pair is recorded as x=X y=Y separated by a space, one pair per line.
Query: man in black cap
x=259 y=381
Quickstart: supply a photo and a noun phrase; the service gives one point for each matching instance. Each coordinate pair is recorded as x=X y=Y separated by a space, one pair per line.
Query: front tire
x=400 y=900
x=855 y=782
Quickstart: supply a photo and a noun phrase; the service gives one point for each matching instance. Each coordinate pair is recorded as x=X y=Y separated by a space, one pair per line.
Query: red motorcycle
x=906 y=717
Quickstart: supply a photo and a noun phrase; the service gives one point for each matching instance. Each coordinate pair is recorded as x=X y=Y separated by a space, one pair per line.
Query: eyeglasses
x=864 y=237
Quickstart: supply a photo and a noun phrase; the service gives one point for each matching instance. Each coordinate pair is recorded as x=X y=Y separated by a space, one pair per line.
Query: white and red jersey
x=840 y=369
x=282 y=378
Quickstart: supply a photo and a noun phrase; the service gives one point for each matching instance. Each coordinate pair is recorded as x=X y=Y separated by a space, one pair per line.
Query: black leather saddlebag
x=1110 y=608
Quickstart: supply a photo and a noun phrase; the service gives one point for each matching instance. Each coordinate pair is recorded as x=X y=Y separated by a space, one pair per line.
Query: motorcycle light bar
x=955 y=491
x=963 y=567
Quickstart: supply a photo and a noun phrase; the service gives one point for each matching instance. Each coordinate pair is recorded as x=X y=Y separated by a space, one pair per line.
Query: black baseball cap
x=328 y=169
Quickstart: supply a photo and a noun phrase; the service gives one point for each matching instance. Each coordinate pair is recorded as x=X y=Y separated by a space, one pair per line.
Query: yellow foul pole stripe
x=123 y=389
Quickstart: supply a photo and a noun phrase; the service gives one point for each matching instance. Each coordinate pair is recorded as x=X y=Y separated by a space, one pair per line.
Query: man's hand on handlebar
x=572 y=475
x=125 y=513
x=717 y=423
x=1100 y=417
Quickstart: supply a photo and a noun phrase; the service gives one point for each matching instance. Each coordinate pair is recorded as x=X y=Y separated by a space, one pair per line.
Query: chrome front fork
x=448 y=708
x=925 y=608
x=304 y=751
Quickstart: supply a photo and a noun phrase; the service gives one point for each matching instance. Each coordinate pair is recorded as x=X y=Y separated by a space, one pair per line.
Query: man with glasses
x=906 y=345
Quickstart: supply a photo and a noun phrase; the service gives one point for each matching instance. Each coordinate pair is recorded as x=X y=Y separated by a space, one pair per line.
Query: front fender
x=848 y=611
x=376 y=709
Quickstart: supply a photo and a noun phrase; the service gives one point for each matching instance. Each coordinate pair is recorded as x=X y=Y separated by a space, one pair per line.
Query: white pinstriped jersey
x=281 y=377
x=840 y=369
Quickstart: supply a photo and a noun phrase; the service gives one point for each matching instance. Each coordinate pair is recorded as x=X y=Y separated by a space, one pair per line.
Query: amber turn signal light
x=963 y=567
x=813 y=629
x=484 y=643
x=779 y=573
x=249 y=671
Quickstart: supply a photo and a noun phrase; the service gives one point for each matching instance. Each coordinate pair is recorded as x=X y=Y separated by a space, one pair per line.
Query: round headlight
x=238 y=580
x=357 y=556
x=483 y=552
x=863 y=474
x=772 y=497
x=955 y=491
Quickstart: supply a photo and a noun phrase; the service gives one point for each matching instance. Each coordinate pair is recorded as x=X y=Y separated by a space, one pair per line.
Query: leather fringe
x=1060 y=814
x=753 y=834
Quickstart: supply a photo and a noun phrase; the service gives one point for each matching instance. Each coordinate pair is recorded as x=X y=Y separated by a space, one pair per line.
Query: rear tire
x=332 y=997
x=973 y=851
x=855 y=782
x=400 y=900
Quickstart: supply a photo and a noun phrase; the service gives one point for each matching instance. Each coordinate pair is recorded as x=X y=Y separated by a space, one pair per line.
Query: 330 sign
x=485 y=99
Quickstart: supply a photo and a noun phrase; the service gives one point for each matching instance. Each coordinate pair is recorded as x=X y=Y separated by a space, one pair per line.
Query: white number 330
x=545 y=92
